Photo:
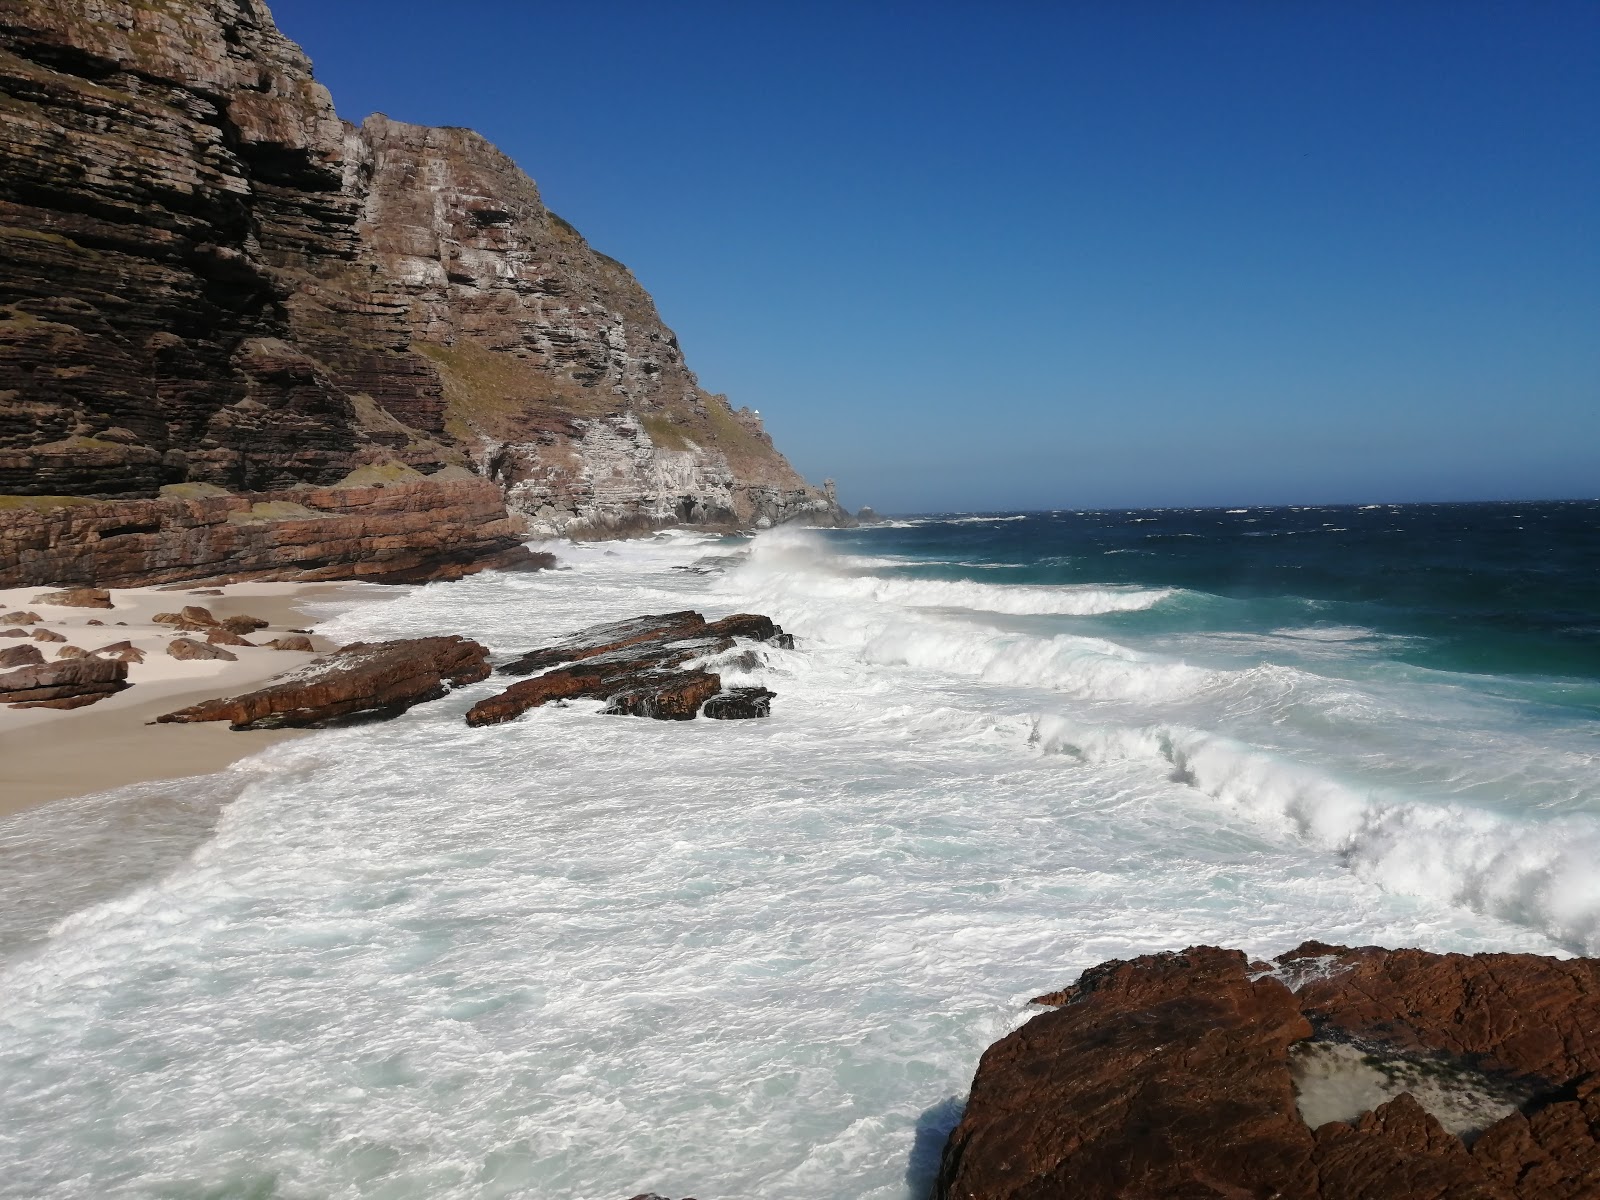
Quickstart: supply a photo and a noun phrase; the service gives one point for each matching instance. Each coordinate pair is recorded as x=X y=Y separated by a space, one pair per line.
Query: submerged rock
x=70 y=684
x=638 y=666
x=363 y=681
x=1176 y=1075
x=739 y=704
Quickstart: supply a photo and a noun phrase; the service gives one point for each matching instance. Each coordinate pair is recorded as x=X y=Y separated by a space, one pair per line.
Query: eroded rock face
x=363 y=681
x=640 y=667
x=403 y=533
x=1170 y=1076
x=207 y=279
x=72 y=683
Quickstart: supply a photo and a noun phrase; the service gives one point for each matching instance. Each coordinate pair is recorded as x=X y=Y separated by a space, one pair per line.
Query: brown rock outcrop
x=20 y=656
x=70 y=684
x=190 y=650
x=122 y=651
x=48 y=635
x=401 y=533
x=363 y=681
x=20 y=618
x=1171 y=1075
x=85 y=597
x=637 y=666
x=225 y=637
x=294 y=641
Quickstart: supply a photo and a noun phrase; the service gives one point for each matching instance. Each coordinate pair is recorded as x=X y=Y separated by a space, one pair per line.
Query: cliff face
x=206 y=277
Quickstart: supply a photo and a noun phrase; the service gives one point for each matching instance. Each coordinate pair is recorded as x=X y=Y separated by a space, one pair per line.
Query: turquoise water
x=581 y=956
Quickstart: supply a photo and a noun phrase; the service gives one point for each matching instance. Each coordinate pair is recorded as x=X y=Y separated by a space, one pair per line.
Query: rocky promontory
x=208 y=280
x=1327 y=1074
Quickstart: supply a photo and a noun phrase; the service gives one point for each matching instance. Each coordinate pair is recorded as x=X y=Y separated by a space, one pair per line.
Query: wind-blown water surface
x=584 y=956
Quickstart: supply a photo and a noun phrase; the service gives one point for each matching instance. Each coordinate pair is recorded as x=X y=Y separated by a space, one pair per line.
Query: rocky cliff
x=207 y=277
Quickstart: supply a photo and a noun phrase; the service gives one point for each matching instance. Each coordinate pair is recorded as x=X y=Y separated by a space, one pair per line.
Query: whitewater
x=579 y=956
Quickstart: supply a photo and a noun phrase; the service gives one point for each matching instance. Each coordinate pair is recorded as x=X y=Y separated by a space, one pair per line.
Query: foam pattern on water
x=584 y=956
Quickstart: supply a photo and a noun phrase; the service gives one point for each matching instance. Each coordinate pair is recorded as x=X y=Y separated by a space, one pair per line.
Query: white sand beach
x=48 y=754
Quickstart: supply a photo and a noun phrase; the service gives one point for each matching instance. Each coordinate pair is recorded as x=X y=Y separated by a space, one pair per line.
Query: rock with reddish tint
x=48 y=635
x=607 y=639
x=225 y=637
x=20 y=656
x=364 y=681
x=293 y=641
x=197 y=614
x=121 y=651
x=20 y=618
x=71 y=684
x=85 y=597
x=190 y=650
x=1171 y=1075
x=639 y=667
x=739 y=704
x=71 y=652
x=676 y=697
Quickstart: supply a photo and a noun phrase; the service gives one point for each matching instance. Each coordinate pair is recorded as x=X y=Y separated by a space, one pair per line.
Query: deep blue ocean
x=579 y=956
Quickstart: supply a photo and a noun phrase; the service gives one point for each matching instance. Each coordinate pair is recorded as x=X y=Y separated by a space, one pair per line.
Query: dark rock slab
x=363 y=681
x=676 y=698
x=63 y=684
x=638 y=666
x=20 y=656
x=1170 y=1076
x=739 y=704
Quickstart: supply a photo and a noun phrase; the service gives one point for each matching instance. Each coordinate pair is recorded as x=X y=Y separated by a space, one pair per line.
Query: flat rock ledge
x=1200 y=1074
x=645 y=666
x=66 y=683
x=362 y=682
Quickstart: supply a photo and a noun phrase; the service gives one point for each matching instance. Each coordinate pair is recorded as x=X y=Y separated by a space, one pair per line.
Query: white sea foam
x=584 y=956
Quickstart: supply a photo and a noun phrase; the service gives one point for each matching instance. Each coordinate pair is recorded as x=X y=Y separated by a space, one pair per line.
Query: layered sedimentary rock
x=647 y=666
x=396 y=534
x=558 y=371
x=72 y=683
x=1176 y=1075
x=206 y=277
x=363 y=681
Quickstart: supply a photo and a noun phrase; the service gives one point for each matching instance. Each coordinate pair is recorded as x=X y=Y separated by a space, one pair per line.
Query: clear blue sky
x=1025 y=254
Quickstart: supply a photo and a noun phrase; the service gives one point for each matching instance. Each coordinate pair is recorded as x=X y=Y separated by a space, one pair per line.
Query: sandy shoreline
x=48 y=754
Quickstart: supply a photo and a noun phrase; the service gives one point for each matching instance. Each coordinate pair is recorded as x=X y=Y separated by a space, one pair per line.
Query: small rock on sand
x=47 y=635
x=20 y=656
x=244 y=624
x=293 y=642
x=77 y=598
x=225 y=637
x=71 y=652
x=188 y=648
x=20 y=618
x=122 y=652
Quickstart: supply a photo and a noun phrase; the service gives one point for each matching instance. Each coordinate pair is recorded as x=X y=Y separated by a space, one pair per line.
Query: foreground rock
x=1187 y=1075
x=640 y=667
x=72 y=683
x=363 y=681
